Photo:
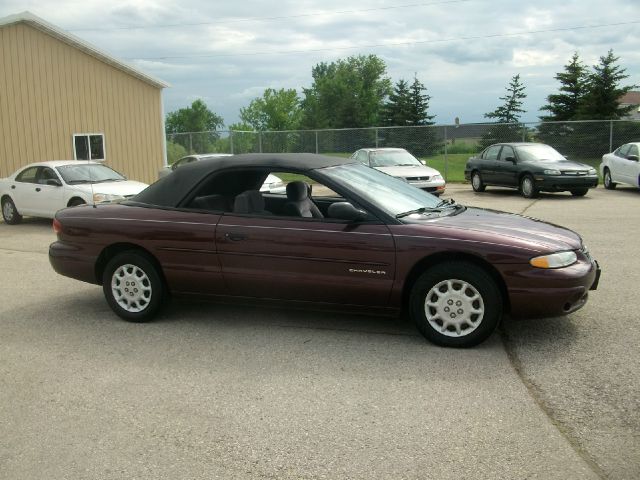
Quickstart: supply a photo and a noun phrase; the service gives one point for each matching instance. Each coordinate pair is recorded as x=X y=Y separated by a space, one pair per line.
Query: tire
x=476 y=182
x=10 y=212
x=579 y=192
x=74 y=202
x=528 y=187
x=133 y=274
x=472 y=312
x=608 y=183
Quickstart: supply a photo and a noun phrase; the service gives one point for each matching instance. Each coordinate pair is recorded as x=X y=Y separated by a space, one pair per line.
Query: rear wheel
x=476 y=182
x=608 y=183
x=579 y=192
x=132 y=286
x=456 y=304
x=528 y=187
x=9 y=212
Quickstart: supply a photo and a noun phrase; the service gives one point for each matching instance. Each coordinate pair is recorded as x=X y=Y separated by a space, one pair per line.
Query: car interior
x=239 y=192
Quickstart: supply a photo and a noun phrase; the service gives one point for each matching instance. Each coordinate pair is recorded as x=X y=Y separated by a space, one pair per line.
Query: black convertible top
x=170 y=190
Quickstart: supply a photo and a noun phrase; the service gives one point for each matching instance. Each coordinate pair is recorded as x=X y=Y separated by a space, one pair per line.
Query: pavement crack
x=533 y=202
x=536 y=395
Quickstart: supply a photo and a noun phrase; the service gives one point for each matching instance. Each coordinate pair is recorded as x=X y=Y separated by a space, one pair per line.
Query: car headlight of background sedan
x=551 y=172
x=436 y=177
x=554 y=260
x=106 y=197
x=592 y=171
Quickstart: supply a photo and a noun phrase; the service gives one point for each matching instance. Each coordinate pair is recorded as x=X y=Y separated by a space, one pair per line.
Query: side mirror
x=632 y=157
x=54 y=182
x=511 y=159
x=346 y=211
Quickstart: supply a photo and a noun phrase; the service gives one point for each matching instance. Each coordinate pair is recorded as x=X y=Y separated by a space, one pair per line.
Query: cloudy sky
x=464 y=51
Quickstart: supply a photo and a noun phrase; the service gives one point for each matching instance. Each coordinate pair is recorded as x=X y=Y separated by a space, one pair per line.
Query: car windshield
x=392 y=158
x=538 y=153
x=88 y=173
x=390 y=194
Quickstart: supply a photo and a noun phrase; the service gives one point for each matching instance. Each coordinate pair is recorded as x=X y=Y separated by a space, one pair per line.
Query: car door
x=488 y=164
x=47 y=199
x=23 y=189
x=303 y=259
x=506 y=171
x=617 y=163
x=630 y=167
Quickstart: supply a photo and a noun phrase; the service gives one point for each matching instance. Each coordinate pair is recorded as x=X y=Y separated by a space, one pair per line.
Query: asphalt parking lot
x=217 y=391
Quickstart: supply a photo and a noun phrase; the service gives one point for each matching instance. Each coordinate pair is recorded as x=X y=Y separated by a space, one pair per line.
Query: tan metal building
x=62 y=99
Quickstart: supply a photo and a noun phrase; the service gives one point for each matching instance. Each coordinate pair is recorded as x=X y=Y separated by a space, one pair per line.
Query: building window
x=88 y=146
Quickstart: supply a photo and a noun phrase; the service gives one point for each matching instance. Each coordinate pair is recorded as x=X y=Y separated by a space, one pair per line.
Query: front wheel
x=608 y=183
x=579 y=192
x=476 y=182
x=456 y=304
x=132 y=286
x=528 y=187
x=10 y=212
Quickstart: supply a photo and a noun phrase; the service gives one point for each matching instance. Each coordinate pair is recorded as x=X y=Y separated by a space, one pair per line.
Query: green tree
x=603 y=91
x=396 y=111
x=348 y=93
x=196 y=118
x=563 y=106
x=275 y=110
x=507 y=115
x=175 y=151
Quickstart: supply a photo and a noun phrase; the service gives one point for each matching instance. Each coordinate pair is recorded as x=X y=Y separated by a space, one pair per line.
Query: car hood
x=565 y=165
x=505 y=228
x=124 y=188
x=409 y=171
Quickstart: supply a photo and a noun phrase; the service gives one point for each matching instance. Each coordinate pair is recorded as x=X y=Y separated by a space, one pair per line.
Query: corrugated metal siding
x=50 y=90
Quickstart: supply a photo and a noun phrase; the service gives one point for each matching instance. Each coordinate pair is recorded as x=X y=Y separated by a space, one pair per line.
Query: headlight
x=106 y=197
x=436 y=177
x=551 y=172
x=592 y=171
x=554 y=260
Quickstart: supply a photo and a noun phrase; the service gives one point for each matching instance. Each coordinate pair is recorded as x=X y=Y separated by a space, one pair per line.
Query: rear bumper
x=70 y=261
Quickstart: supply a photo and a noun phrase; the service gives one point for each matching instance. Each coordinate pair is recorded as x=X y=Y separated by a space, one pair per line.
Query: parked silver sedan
x=621 y=166
x=397 y=162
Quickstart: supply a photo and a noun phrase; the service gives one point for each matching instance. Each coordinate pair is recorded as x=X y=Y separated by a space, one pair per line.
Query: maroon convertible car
x=343 y=235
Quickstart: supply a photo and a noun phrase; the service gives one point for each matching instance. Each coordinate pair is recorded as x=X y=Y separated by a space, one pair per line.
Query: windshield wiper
x=418 y=210
x=446 y=203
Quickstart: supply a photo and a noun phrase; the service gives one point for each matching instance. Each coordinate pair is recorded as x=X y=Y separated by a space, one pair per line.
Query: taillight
x=57 y=226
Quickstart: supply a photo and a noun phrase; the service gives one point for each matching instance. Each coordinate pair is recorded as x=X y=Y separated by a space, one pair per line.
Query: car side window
x=623 y=150
x=28 y=175
x=507 y=151
x=363 y=157
x=491 y=153
x=633 y=150
x=46 y=173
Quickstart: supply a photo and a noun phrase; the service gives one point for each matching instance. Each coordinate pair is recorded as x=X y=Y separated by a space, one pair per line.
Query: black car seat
x=298 y=202
x=250 y=201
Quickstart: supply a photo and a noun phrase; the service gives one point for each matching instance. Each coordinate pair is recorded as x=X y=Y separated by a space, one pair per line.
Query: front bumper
x=560 y=183
x=535 y=292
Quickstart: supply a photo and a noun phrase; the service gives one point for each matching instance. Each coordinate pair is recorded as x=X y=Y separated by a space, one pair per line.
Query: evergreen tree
x=419 y=104
x=563 y=106
x=603 y=91
x=507 y=116
x=396 y=111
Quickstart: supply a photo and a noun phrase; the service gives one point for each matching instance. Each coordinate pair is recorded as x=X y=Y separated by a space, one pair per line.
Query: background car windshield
x=532 y=153
x=88 y=173
x=393 y=158
x=390 y=194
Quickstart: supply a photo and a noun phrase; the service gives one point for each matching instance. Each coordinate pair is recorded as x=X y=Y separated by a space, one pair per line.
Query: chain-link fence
x=445 y=147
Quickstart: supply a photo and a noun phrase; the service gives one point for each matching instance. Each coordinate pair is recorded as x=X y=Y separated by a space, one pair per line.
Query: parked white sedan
x=621 y=166
x=41 y=189
x=397 y=162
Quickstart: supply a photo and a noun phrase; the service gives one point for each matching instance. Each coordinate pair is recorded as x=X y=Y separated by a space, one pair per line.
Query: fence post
x=231 y=141
x=524 y=132
x=376 y=138
x=446 y=155
x=259 y=142
x=611 y=135
x=190 y=144
x=316 y=132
